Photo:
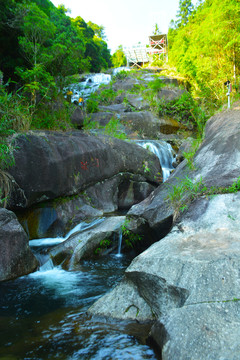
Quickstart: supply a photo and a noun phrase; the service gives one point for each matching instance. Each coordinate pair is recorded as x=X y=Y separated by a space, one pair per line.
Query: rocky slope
x=189 y=281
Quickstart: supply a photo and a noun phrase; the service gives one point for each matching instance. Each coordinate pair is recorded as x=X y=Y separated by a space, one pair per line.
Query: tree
x=207 y=49
x=99 y=30
x=119 y=58
x=156 y=30
x=185 y=10
x=35 y=37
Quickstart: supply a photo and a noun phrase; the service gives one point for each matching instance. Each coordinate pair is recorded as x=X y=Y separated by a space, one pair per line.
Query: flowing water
x=43 y=315
x=87 y=86
x=163 y=151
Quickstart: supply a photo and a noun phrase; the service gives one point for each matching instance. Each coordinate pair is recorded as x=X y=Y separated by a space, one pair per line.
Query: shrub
x=92 y=105
x=53 y=116
x=106 y=96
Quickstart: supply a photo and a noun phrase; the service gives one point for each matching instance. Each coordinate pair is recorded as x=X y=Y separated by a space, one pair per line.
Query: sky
x=126 y=22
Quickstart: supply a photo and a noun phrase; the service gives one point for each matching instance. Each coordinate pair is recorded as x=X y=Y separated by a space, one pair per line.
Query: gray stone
x=216 y=162
x=114 y=108
x=54 y=164
x=123 y=303
x=190 y=281
x=208 y=331
x=126 y=84
x=138 y=102
x=83 y=244
x=170 y=94
x=16 y=258
x=77 y=117
x=102 y=118
x=148 y=125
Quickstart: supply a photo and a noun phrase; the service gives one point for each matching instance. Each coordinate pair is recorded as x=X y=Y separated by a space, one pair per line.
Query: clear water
x=43 y=316
x=88 y=86
x=163 y=151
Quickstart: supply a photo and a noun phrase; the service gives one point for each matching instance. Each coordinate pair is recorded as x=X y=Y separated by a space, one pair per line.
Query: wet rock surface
x=53 y=164
x=190 y=278
x=84 y=244
x=16 y=258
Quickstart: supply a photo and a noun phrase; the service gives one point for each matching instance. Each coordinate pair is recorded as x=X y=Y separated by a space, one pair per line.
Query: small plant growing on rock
x=146 y=168
x=182 y=194
x=129 y=237
x=103 y=245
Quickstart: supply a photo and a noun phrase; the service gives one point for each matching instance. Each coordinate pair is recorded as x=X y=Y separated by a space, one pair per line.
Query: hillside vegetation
x=204 y=47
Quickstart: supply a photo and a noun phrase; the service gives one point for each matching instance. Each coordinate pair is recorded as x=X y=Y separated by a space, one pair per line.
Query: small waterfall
x=40 y=246
x=119 y=254
x=90 y=84
x=164 y=152
x=119 y=69
x=46 y=242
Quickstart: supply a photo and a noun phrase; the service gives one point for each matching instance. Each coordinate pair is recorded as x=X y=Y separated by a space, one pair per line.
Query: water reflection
x=43 y=316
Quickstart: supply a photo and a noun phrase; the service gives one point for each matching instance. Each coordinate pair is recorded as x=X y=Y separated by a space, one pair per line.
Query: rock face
x=144 y=122
x=216 y=163
x=189 y=280
x=192 y=269
x=50 y=164
x=16 y=258
x=83 y=244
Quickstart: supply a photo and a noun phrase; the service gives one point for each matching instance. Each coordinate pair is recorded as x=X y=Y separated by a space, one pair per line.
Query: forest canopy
x=37 y=37
x=204 y=45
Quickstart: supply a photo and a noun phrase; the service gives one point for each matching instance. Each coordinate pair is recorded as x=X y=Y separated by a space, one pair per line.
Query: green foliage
x=145 y=166
x=235 y=187
x=189 y=155
x=118 y=58
x=156 y=84
x=14 y=113
x=121 y=75
x=14 y=116
x=184 y=192
x=37 y=32
x=39 y=84
x=92 y=105
x=53 y=116
x=106 y=96
x=103 y=245
x=113 y=129
x=184 y=12
x=129 y=237
x=206 y=50
x=35 y=37
x=88 y=124
x=184 y=109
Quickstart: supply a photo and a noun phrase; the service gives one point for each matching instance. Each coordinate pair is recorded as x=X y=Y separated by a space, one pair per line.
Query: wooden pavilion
x=158 y=45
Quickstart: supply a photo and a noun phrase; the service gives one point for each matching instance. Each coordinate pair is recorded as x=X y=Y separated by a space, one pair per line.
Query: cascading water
x=43 y=315
x=40 y=245
x=119 y=254
x=90 y=84
x=164 y=152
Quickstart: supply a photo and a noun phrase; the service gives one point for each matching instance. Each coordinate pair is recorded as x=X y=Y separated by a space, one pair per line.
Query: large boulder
x=54 y=164
x=85 y=243
x=125 y=84
x=216 y=163
x=170 y=94
x=16 y=258
x=208 y=331
x=148 y=125
x=187 y=280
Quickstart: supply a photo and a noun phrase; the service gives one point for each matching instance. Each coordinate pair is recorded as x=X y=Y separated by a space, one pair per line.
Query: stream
x=44 y=315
